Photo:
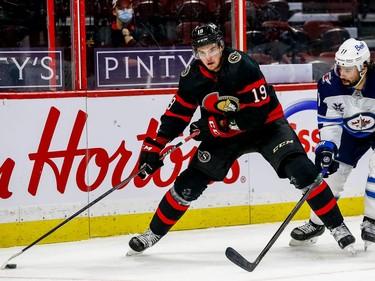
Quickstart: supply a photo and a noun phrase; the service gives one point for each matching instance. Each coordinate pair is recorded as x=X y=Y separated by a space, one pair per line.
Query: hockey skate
x=344 y=238
x=306 y=234
x=142 y=242
x=368 y=231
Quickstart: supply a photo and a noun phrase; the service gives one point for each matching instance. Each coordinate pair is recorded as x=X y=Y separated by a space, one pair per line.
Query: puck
x=11 y=265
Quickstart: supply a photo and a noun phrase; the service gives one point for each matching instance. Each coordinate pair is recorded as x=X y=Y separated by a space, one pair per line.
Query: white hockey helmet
x=353 y=53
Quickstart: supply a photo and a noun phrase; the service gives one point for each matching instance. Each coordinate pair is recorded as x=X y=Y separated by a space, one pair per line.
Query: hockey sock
x=324 y=204
x=167 y=214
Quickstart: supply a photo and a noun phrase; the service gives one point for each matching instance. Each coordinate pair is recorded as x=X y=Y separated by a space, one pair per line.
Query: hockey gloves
x=212 y=127
x=150 y=156
x=325 y=153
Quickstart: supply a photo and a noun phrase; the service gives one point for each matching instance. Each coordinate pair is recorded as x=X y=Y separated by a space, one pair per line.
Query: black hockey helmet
x=206 y=34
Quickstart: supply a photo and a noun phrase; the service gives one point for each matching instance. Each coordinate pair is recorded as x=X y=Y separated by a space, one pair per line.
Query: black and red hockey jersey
x=238 y=90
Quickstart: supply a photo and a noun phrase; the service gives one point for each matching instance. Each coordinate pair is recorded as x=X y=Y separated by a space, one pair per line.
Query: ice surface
x=195 y=255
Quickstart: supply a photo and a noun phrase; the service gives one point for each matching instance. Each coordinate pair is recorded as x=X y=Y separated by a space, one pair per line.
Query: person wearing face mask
x=346 y=122
x=124 y=33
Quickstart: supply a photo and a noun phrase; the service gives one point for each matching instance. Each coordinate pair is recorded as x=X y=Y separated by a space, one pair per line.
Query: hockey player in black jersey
x=240 y=113
x=346 y=122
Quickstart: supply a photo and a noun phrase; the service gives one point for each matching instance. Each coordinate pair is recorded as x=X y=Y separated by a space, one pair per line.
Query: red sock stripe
x=317 y=190
x=326 y=208
x=164 y=219
x=174 y=203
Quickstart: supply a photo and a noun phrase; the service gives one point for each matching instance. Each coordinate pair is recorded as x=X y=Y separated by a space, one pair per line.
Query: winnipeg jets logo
x=338 y=107
x=361 y=122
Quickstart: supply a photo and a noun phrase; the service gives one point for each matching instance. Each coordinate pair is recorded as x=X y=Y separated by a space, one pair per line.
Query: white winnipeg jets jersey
x=344 y=108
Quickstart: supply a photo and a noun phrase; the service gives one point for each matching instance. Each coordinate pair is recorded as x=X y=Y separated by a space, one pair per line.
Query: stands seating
x=296 y=38
x=148 y=8
x=333 y=38
x=273 y=29
x=314 y=30
x=319 y=69
x=328 y=57
x=254 y=38
x=191 y=10
x=291 y=57
x=262 y=58
x=227 y=33
x=184 y=30
x=227 y=7
x=281 y=7
x=323 y=6
x=316 y=27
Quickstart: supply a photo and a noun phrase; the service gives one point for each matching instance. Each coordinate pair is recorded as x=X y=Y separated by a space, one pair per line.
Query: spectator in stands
x=124 y=32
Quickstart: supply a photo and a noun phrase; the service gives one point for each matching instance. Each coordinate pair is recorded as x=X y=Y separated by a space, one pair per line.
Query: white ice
x=195 y=255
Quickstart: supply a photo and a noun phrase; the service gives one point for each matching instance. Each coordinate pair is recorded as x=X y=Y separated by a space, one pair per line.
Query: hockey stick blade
x=242 y=262
x=239 y=260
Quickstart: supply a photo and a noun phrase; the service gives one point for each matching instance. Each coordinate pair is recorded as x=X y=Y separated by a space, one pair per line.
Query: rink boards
x=60 y=152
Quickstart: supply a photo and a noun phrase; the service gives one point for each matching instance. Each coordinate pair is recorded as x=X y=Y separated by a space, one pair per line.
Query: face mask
x=125 y=15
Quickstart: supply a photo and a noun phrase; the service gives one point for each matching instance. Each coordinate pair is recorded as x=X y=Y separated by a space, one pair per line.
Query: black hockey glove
x=150 y=156
x=209 y=127
x=325 y=153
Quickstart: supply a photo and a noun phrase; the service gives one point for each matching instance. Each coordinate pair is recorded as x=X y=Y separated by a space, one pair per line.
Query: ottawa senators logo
x=204 y=156
x=216 y=104
x=234 y=57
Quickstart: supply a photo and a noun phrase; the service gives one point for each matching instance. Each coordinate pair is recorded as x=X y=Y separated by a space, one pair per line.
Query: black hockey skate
x=344 y=238
x=306 y=234
x=142 y=242
x=368 y=231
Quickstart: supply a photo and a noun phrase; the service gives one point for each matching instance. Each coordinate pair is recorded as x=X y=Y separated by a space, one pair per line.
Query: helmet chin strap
x=362 y=74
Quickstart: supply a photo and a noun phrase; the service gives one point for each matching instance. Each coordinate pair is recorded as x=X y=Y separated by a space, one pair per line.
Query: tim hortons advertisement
x=59 y=154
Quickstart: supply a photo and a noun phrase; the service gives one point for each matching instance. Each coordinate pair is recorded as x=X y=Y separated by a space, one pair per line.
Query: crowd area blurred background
x=277 y=31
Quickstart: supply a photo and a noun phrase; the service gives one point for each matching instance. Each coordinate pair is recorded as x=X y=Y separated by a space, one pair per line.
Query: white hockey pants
x=338 y=180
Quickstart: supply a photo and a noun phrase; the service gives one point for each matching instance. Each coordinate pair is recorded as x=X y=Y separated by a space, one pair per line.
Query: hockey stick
x=121 y=184
x=242 y=262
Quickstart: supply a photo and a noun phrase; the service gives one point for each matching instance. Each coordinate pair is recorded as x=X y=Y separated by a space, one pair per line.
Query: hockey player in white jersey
x=346 y=122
